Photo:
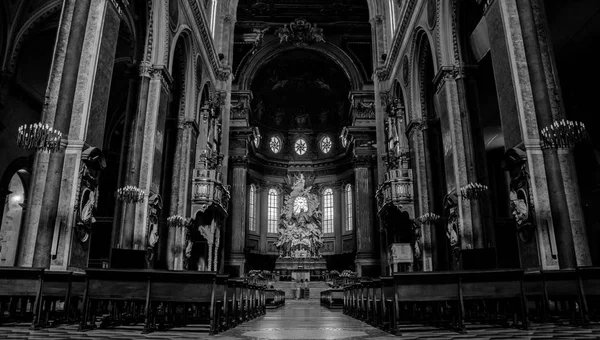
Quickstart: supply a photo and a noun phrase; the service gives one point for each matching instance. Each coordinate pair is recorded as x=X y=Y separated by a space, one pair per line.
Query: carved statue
x=520 y=204
x=92 y=165
x=154 y=209
x=451 y=209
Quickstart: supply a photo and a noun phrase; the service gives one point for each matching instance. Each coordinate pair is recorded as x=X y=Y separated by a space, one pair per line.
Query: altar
x=301 y=268
x=300 y=235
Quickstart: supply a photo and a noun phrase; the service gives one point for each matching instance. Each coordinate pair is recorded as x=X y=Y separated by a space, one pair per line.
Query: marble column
x=81 y=102
x=524 y=111
x=365 y=216
x=419 y=164
x=459 y=167
x=239 y=170
x=67 y=51
x=187 y=134
x=145 y=154
x=547 y=90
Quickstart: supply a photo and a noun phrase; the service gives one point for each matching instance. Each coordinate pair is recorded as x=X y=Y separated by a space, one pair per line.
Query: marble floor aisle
x=308 y=320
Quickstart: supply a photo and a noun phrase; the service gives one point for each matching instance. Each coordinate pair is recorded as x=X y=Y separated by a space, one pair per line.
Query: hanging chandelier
x=563 y=134
x=176 y=221
x=130 y=194
x=428 y=218
x=39 y=136
x=473 y=191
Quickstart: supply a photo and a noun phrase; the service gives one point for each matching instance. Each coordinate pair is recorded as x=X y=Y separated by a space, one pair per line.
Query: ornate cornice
x=238 y=161
x=208 y=42
x=363 y=161
x=415 y=125
x=450 y=73
x=397 y=43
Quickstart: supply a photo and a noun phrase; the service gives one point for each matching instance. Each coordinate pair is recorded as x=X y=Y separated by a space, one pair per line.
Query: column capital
x=156 y=72
x=238 y=161
x=451 y=72
x=363 y=161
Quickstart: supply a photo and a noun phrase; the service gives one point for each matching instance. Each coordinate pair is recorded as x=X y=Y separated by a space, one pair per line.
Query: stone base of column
x=235 y=266
x=367 y=265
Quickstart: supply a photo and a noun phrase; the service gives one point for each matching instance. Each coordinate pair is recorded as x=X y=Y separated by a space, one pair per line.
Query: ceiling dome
x=300 y=90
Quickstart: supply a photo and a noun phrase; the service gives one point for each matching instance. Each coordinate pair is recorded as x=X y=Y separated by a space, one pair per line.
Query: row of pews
x=452 y=299
x=274 y=298
x=151 y=299
x=333 y=298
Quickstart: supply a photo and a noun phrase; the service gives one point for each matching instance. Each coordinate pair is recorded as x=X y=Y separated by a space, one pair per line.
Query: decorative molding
x=397 y=43
x=300 y=33
x=43 y=14
x=415 y=125
x=238 y=161
x=207 y=40
x=150 y=38
x=363 y=161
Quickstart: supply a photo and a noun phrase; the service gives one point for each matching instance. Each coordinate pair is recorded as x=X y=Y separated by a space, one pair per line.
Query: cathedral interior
x=368 y=152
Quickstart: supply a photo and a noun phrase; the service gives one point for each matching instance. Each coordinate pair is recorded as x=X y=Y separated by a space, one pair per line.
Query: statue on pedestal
x=300 y=234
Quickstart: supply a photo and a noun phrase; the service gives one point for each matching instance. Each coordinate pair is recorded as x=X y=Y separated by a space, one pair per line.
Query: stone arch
x=33 y=22
x=420 y=47
x=272 y=50
x=183 y=40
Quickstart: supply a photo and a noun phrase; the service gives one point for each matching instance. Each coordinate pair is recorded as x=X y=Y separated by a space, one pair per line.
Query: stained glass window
x=325 y=144
x=252 y=208
x=273 y=211
x=275 y=144
x=349 y=207
x=300 y=146
x=328 y=211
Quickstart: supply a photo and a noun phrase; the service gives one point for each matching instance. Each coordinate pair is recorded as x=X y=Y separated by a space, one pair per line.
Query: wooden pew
x=193 y=290
x=20 y=292
x=413 y=290
x=589 y=283
x=232 y=303
x=495 y=296
x=274 y=298
x=221 y=322
x=556 y=294
x=377 y=302
x=64 y=287
x=125 y=294
x=389 y=304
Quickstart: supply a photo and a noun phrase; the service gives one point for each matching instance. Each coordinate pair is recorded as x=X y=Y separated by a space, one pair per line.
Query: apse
x=300 y=94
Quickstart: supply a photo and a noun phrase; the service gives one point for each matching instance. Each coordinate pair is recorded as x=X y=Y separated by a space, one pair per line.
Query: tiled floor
x=308 y=320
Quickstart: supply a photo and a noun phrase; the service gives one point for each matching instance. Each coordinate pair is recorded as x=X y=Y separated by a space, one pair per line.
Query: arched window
x=349 y=208
x=213 y=16
x=252 y=208
x=328 y=211
x=273 y=211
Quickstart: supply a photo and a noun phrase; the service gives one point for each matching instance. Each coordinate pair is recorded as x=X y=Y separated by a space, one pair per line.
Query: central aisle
x=305 y=319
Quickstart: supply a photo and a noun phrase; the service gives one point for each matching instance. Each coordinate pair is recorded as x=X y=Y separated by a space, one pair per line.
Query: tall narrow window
x=349 y=207
x=213 y=16
x=391 y=6
x=252 y=208
x=328 y=211
x=273 y=211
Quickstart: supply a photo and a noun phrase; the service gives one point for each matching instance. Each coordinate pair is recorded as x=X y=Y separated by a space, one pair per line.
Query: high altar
x=300 y=234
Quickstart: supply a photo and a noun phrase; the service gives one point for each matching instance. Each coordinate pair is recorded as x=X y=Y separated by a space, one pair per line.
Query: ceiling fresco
x=300 y=90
